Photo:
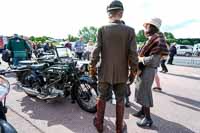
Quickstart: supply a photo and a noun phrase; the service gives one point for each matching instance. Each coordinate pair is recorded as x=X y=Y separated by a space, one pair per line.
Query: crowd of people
x=20 y=48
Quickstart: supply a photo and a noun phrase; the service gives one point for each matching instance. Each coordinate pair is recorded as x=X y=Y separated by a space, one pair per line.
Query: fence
x=187 y=61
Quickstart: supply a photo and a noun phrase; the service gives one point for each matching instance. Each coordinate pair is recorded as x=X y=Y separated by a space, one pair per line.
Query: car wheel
x=188 y=54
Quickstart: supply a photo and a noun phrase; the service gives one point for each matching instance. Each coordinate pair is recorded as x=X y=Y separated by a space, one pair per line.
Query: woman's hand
x=141 y=59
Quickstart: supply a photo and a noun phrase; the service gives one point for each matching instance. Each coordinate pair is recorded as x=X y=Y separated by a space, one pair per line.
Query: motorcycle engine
x=54 y=91
x=29 y=79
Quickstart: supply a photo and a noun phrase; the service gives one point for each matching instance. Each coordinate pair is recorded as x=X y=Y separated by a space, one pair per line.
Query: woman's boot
x=146 y=121
x=98 y=120
x=139 y=114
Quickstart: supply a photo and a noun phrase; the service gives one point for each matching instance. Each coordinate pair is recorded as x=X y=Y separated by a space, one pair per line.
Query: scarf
x=155 y=45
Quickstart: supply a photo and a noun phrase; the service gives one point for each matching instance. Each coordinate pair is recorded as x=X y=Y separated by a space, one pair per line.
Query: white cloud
x=57 y=18
x=190 y=30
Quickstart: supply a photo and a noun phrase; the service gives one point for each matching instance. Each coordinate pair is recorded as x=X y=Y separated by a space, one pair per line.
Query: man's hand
x=92 y=70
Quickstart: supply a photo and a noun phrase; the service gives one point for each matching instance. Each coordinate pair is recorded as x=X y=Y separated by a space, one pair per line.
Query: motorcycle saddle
x=39 y=66
x=21 y=67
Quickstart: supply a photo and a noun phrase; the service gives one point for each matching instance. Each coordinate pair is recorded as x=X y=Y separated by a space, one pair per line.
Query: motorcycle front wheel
x=86 y=96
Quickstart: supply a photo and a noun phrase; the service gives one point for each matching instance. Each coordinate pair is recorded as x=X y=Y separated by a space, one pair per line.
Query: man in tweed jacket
x=117 y=47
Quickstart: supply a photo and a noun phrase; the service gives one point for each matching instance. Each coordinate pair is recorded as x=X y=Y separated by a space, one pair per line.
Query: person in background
x=68 y=45
x=88 y=49
x=163 y=60
x=197 y=52
x=51 y=46
x=38 y=45
x=162 y=63
x=46 y=47
x=128 y=93
x=172 y=53
x=164 y=69
x=157 y=81
x=19 y=49
x=113 y=39
x=34 y=46
x=79 y=48
x=39 y=49
x=30 y=44
x=149 y=59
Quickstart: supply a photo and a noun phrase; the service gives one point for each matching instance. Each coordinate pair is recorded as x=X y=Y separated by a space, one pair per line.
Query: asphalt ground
x=176 y=109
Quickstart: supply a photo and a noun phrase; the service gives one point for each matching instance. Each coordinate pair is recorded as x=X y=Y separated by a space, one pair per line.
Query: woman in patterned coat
x=149 y=59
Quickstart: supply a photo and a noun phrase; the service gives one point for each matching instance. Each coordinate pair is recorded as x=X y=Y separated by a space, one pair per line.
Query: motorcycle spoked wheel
x=86 y=96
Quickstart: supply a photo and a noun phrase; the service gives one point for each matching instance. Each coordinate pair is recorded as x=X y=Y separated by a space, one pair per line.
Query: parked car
x=184 y=50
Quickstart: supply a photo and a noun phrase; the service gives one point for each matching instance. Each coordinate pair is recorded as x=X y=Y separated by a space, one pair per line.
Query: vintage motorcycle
x=5 y=127
x=60 y=80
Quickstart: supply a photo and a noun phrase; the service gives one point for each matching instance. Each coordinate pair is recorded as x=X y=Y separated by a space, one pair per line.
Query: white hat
x=154 y=21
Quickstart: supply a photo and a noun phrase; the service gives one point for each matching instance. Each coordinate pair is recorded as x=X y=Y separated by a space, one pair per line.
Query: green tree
x=169 y=36
x=195 y=41
x=39 y=39
x=32 y=38
x=88 y=33
x=178 y=41
x=72 y=38
x=184 y=41
x=187 y=42
x=140 y=37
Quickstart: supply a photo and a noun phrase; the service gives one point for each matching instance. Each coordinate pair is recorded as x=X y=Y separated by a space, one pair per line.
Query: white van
x=184 y=50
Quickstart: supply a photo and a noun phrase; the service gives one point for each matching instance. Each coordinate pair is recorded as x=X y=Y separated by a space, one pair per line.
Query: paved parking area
x=176 y=109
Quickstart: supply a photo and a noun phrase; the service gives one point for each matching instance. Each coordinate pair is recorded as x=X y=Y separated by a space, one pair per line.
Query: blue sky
x=58 y=18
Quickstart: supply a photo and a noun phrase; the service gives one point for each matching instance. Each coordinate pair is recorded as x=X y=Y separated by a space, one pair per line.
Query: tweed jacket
x=117 y=52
